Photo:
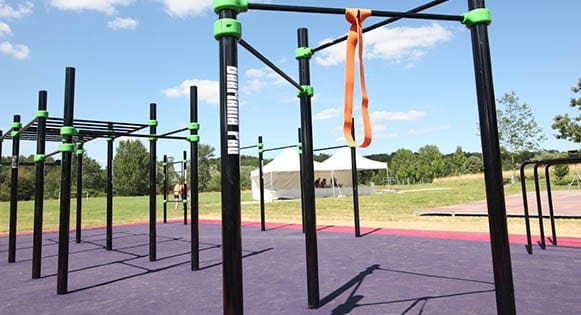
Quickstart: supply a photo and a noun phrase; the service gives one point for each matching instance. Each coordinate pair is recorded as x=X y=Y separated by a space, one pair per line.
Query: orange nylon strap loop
x=354 y=39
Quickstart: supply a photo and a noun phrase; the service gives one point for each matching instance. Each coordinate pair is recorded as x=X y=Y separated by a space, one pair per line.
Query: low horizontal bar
x=128 y=135
x=56 y=163
x=341 y=11
x=280 y=148
x=331 y=148
x=173 y=132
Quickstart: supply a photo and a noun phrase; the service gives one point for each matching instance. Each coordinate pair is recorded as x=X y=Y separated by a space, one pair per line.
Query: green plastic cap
x=152 y=122
x=303 y=52
x=16 y=125
x=42 y=114
x=80 y=151
x=227 y=27
x=307 y=90
x=235 y=5
x=67 y=147
x=193 y=138
x=194 y=126
x=477 y=16
x=69 y=131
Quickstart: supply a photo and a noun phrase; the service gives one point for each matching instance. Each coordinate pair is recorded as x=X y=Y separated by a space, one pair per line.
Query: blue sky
x=419 y=74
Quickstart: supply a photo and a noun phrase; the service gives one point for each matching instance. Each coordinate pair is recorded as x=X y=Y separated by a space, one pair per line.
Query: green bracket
x=108 y=138
x=303 y=52
x=164 y=164
x=227 y=27
x=260 y=147
x=152 y=122
x=235 y=5
x=194 y=126
x=14 y=134
x=300 y=147
x=152 y=138
x=477 y=16
x=307 y=90
x=42 y=114
x=164 y=201
x=69 y=131
x=16 y=125
x=193 y=138
x=67 y=147
x=80 y=151
x=185 y=201
x=38 y=157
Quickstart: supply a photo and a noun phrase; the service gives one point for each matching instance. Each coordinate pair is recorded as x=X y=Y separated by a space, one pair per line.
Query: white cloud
x=260 y=78
x=183 y=8
x=16 y=51
x=398 y=44
x=327 y=113
x=123 y=23
x=208 y=90
x=253 y=85
x=399 y=116
x=5 y=29
x=415 y=132
x=7 y=11
x=108 y=7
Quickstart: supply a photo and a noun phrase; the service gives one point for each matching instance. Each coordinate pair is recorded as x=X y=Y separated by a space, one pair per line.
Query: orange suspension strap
x=354 y=39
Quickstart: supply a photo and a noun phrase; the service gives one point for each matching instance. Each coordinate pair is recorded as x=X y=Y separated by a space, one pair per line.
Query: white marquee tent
x=282 y=178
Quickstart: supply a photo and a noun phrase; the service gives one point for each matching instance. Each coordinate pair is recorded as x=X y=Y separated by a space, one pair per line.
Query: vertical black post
x=195 y=211
x=308 y=176
x=261 y=183
x=501 y=261
x=355 y=182
x=79 y=152
x=550 y=197
x=152 y=181
x=539 y=205
x=301 y=174
x=39 y=184
x=230 y=153
x=65 y=197
x=523 y=184
x=109 y=188
x=185 y=183
x=16 y=125
x=164 y=188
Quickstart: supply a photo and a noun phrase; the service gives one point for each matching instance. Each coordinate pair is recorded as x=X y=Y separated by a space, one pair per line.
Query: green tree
x=403 y=164
x=473 y=165
x=458 y=160
x=131 y=169
x=561 y=171
x=94 y=177
x=517 y=129
x=205 y=153
x=430 y=163
x=570 y=128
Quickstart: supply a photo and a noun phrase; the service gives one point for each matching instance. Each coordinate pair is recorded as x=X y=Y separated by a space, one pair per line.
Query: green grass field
x=380 y=210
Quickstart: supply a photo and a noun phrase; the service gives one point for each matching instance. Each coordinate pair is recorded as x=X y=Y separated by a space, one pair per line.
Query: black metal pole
x=523 y=184
x=501 y=261
x=164 y=188
x=539 y=206
x=185 y=183
x=16 y=125
x=65 y=198
x=79 y=189
x=152 y=181
x=308 y=177
x=261 y=183
x=39 y=185
x=355 y=183
x=230 y=155
x=550 y=198
x=109 y=188
x=301 y=174
x=194 y=180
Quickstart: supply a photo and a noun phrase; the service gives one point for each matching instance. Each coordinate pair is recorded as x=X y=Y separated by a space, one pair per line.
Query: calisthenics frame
x=227 y=30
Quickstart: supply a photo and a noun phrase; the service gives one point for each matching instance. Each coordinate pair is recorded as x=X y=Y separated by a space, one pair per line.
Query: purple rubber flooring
x=374 y=274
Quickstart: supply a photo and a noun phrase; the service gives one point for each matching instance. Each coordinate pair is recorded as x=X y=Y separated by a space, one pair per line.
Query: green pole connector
x=152 y=122
x=42 y=114
x=164 y=164
x=16 y=125
x=69 y=131
x=227 y=27
x=307 y=90
x=235 y=5
x=303 y=52
x=477 y=16
x=14 y=134
x=108 y=139
x=67 y=147
x=185 y=201
x=152 y=138
x=38 y=157
x=164 y=201
x=80 y=152
x=194 y=126
x=193 y=138
x=300 y=147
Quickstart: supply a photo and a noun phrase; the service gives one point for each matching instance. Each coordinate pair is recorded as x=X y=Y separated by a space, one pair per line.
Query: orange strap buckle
x=354 y=39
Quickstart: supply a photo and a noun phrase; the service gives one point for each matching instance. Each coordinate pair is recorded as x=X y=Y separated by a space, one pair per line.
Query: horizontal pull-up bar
x=129 y=135
x=249 y=147
x=269 y=64
x=280 y=148
x=331 y=148
x=341 y=11
x=173 y=132
x=380 y=24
